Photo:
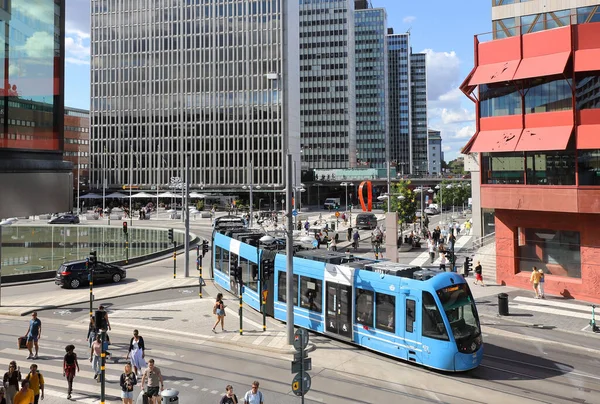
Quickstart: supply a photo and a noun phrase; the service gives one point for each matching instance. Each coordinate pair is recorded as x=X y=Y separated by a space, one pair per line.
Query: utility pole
x=289 y=277
x=103 y=370
x=186 y=211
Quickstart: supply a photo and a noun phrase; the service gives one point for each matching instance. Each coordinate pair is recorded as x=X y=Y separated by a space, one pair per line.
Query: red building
x=537 y=100
x=77 y=146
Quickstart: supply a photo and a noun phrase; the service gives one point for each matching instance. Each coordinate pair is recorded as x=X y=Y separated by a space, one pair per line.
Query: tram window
x=364 y=307
x=249 y=274
x=311 y=294
x=410 y=315
x=281 y=292
x=219 y=258
x=385 y=309
x=433 y=323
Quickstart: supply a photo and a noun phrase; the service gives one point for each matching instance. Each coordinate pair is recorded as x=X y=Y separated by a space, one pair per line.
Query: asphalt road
x=521 y=365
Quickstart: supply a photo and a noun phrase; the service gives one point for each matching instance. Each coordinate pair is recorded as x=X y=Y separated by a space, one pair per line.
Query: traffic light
x=204 y=247
x=267 y=267
x=171 y=235
x=93 y=258
x=125 y=227
x=100 y=320
x=467 y=266
x=238 y=274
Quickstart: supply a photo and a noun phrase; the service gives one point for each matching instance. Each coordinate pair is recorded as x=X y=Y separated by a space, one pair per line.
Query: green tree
x=403 y=202
x=452 y=193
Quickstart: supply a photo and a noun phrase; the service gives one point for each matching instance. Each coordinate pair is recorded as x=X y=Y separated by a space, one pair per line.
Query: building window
x=587 y=91
x=311 y=294
x=588 y=14
x=551 y=168
x=499 y=99
x=220 y=254
x=504 y=28
x=542 y=95
x=432 y=321
x=557 y=252
x=502 y=168
x=364 y=307
x=411 y=315
x=588 y=166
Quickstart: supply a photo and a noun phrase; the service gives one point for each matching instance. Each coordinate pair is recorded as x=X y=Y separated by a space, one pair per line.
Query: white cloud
x=76 y=61
x=40 y=46
x=443 y=73
x=74 y=47
x=446 y=148
x=466 y=132
x=457 y=115
x=409 y=19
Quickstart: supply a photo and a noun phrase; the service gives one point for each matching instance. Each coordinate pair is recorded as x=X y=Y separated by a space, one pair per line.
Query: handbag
x=22 y=342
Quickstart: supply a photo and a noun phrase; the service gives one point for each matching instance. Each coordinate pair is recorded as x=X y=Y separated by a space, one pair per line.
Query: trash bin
x=170 y=396
x=502 y=304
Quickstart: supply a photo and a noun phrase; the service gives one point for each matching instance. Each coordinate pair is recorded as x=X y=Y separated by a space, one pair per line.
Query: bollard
x=170 y=396
x=502 y=304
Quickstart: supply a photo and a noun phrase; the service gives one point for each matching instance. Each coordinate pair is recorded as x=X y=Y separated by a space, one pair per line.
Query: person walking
x=91 y=335
x=96 y=356
x=229 y=397
x=154 y=379
x=36 y=383
x=127 y=381
x=479 y=274
x=442 y=261
x=34 y=333
x=350 y=233
x=25 y=395
x=356 y=239
x=136 y=352
x=11 y=381
x=253 y=396
x=541 y=284
x=334 y=242
x=535 y=281
x=70 y=364
x=219 y=311
x=431 y=248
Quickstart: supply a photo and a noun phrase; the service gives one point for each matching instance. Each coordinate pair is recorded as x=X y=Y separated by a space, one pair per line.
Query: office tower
x=418 y=95
x=399 y=101
x=327 y=85
x=211 y=85
x=434 y=148
x=33 y=176
x=372 y=131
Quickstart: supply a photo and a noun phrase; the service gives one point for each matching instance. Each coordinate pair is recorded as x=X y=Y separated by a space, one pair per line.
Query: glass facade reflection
x=587 y=91
x=548 y=95
x=531 y=168
x=32 y=75
x=499 y=100
x=419 y=122
x=588 y=166
x=556 y=252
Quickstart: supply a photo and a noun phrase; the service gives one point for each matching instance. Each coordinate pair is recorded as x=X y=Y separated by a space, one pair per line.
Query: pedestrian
x=229 y=397
x=36 y=382
x=70 y=364
x=2 y=395
x=136 y=352
x=431 y=248
x=334 y=242
x=356 y=238
x=219 y=311
x=96 y=356
x=479 y=274
x=91 y=335
x=350 y=233
x=541 y=284
x=254 y=396
x=25 y=395
x=104 y=324
x=34 y=333
x=535 y=280
x=442 y=261
x=127 y=381
x=153 y=378
x=11 y=381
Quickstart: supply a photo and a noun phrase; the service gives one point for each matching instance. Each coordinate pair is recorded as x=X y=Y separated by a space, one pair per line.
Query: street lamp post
x=345 y=184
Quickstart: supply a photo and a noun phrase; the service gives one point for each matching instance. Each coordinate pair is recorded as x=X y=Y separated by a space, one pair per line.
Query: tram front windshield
x=459 y=306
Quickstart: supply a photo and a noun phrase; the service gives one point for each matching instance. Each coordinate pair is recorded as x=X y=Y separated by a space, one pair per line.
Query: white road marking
x=548 y=310
x=543 y=302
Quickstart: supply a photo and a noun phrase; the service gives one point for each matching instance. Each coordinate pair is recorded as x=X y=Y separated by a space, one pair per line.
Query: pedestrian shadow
x=169 y=378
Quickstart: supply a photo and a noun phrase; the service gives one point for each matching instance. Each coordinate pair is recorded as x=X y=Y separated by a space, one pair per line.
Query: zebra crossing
x=552 y=307
x=424 y=259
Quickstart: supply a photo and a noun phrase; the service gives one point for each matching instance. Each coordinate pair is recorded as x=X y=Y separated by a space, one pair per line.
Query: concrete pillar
x=391 y=236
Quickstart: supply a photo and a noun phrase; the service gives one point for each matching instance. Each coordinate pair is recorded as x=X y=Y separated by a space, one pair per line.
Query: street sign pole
x=174 y=260
x=300 y=364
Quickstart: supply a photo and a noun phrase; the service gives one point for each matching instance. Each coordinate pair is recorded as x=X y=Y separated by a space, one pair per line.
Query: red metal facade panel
x=494 y=73
x=529 y=198
x=588 y=137
x=587 y=60
x=496 y=141
x=588 y=200
x=588 y=117
x=547 y=42
x=545 y=138
x=587 y=36
x=501 y=122
x=541 y=66
x=543 y=119
x=499 y=50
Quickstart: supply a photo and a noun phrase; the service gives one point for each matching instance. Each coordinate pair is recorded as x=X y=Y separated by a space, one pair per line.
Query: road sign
x=305 y=387
x=265 y=294
x=337 y=214
x=300 y=339
x=294 y=212
x=297 y=365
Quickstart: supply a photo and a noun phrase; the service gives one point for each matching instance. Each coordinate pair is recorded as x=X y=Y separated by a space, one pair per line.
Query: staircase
x=487 y=256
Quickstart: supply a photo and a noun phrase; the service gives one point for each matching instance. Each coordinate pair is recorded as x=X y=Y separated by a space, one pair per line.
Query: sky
x=441 y=28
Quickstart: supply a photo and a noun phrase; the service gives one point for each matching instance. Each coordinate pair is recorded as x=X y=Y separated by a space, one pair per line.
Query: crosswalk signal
x=171 y=235
x=125 y=227
x=93 y=258
x=467 y=266
x=204 y=248
x=268 y=268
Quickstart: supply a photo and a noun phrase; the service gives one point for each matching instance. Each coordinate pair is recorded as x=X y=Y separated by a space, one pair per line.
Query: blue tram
x=417 y=315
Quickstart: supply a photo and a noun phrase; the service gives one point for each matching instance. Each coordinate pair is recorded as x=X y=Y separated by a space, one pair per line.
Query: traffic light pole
x=240 y=283
x=126 y=248
x=174 y=260
x=199 y=268
x=91 y=282
x=103 y=370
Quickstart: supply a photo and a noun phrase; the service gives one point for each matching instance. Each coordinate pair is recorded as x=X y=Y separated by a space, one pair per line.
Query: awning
x=545 y=138
x=170 y=195
x=494 y=73
x=496 y=140
x=587 y=60
x=90 y=196
x=116 y=195
x=588 y=137
x=541 y=66
x=143 y=195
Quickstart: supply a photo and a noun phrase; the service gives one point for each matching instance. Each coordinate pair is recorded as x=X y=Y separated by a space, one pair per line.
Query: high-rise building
x=77 y=146
x=537 y=145
x=418 y=110
x=436 y=155
x=399 y=101
x=33 y=176
x=209 y=85
x=372 y=130
x=327 y=85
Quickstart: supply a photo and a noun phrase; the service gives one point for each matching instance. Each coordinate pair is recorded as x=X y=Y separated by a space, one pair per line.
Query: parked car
x=74 y=274
x=366 y=221
x=65 y=219
x=431 y=211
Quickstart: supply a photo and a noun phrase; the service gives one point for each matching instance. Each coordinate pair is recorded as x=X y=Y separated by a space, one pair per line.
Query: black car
x=65 y=219
x=366 y=221
x=74 y=274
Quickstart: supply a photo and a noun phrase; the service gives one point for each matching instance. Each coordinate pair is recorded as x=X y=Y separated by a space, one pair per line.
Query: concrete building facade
x=434 y=148
x=77 y=146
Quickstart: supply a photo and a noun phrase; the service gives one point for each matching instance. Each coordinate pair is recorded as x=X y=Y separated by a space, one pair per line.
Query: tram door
x=339 y=309
x=412 y=328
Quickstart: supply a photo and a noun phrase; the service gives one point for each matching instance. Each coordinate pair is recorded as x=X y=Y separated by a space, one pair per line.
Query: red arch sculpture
x=369 y=206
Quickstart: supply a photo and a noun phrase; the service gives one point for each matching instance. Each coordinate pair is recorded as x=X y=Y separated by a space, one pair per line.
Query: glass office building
x=328 y=102
x=31 y=109
x=372 y=132
x=209 y=84
x=418 y=94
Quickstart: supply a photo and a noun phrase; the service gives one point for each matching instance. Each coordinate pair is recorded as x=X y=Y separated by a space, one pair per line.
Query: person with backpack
x=219 y=311
x=36 y=383
x=356 y=239
x=254 y=396
x=229 y=397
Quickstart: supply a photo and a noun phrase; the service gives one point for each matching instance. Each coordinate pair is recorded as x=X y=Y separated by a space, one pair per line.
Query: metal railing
x=483 y=241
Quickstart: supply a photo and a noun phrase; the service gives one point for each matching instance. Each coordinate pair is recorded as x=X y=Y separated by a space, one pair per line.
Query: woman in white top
x=443 y=261
x=136 y=352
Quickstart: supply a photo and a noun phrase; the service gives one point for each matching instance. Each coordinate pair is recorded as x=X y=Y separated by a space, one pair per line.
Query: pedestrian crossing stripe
x=567 y=306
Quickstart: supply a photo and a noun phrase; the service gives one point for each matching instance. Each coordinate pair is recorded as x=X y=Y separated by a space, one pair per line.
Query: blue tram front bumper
x=464 y=362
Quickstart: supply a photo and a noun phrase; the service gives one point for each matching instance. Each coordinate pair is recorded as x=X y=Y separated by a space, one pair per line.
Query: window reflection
x=502 y=168
x=588 y=166
x=551 y=168
x=587 y=92
x=542 y=95
x=556 y=252
x=499 y=99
